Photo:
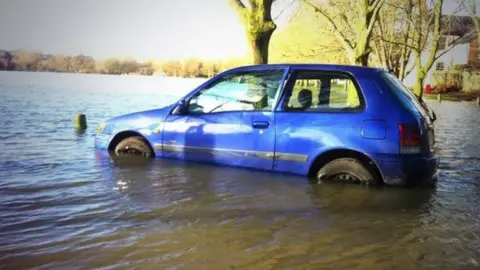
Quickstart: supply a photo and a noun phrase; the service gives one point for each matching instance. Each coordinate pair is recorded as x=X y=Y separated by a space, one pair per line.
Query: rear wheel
x=133 y=146
x=346 y=170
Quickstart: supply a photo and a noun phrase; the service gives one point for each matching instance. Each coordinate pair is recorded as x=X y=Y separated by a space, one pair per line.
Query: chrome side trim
x=231 y=152
x=291 y=157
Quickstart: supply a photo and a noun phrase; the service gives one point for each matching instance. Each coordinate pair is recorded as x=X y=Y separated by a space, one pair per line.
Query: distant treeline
x=21 y=60
x=194 y=68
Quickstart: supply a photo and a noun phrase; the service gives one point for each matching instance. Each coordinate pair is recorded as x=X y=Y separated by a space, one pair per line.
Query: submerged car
x=325 y=122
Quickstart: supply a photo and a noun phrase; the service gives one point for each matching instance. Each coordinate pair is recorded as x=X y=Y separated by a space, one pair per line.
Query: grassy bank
x=455 y=96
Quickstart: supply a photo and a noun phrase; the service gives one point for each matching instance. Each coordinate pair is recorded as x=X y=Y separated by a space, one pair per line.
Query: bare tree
x=259 y=26
x=428 y=27
x=423 y=28
x=417 y=29
x=191 y=67
x=83 y=64
x=28 y=61
x=352 y=23
x=392 y=38
x=306 y=40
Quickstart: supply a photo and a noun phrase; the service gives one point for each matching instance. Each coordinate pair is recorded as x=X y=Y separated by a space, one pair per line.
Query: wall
x=474 y=54
x=458 y=55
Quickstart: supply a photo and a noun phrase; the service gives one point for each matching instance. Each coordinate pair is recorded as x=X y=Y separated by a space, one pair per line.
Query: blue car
x=325 y=122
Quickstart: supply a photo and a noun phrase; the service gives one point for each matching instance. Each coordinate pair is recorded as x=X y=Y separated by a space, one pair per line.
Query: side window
x=323 y=91
x=246 y=91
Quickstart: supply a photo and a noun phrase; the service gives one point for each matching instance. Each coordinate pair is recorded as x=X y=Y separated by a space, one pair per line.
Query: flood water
x=65 y=206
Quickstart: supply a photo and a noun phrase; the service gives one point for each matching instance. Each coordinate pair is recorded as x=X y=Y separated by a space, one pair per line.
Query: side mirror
x=180 y=108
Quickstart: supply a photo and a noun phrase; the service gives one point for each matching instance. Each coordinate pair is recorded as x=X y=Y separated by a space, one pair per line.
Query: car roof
x=333 y=67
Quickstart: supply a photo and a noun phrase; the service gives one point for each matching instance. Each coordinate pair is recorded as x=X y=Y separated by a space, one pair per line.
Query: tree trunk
x=259 y=43
x=420 y=79
x=362 y=59
x=362 y=49
x=259 y=26
x=423 y=69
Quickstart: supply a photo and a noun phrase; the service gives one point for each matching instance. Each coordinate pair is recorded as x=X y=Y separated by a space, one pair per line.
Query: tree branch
x=375 y=5
x=382 y=51
x=378 y=4
x=239 y=7
x=408 y=71
x=344 y=18
x=283 y=10
x=436 y=34
x=338 y=33
x=237 y=4
x=399 y=43
x=412 y=21
x=447 y=49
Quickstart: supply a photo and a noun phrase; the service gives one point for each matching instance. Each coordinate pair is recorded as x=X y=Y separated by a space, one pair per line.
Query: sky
x=140 y=29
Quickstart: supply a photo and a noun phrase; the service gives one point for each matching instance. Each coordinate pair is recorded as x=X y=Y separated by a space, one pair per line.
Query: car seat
x=305 y=98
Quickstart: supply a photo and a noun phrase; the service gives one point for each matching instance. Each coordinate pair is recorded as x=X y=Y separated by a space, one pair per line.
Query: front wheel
x=133 y=146
x=346 y=170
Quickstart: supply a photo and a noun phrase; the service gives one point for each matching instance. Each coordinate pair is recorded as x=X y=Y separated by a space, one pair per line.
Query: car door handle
x=260 y=124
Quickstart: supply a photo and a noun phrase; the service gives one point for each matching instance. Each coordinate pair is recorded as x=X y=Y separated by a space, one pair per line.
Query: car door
x=320 y=110
x=230 y=121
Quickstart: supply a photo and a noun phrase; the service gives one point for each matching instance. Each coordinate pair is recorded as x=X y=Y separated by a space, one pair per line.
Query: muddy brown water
x=64 y=205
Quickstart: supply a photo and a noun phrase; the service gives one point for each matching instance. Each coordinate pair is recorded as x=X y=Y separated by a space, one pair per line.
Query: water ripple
x=64 y=205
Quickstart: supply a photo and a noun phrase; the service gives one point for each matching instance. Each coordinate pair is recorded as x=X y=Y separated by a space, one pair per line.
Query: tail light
x=410 y=139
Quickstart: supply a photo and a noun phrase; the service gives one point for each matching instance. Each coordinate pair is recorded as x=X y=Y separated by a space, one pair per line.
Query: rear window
x=323 y=91
x=404 y=94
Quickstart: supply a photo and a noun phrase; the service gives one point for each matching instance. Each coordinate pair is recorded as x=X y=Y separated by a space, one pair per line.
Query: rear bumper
x=404 y=170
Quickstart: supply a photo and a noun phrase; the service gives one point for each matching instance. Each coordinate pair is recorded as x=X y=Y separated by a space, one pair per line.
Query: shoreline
x=454 y=96
x=100 y=73
x=470 y=97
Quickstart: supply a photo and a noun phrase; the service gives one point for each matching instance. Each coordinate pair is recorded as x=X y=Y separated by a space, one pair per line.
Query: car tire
x=133 y=146
x=346 y=170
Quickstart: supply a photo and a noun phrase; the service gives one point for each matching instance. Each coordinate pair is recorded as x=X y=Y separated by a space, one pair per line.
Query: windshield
x=407 y=96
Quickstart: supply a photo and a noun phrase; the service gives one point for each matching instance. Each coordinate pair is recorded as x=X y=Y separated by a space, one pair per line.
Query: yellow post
x=439 y=97
x=80 y=121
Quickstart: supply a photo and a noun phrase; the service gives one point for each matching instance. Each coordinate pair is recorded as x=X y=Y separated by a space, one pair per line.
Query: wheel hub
x=344 y=177
x=130 y=151
x=338 y=177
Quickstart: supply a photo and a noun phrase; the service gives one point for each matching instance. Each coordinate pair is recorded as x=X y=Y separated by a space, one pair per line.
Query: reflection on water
x=65 y=205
